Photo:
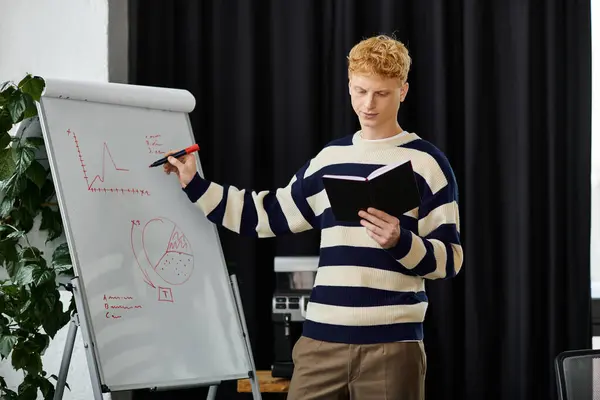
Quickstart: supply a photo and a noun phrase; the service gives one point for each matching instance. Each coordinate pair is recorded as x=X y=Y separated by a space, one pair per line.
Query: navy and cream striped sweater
x=362 y=292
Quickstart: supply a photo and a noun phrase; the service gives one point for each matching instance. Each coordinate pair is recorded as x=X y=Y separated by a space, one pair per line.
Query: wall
x=67 y=39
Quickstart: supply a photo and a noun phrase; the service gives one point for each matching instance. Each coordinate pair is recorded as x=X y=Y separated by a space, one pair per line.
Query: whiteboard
x=158 y=299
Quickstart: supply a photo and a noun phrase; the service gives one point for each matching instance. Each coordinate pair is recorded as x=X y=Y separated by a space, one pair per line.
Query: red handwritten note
x=154 y=144
x=165 y=294
x=117 y=307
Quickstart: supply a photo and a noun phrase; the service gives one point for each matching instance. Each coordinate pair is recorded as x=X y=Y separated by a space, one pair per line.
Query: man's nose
x=370 y=102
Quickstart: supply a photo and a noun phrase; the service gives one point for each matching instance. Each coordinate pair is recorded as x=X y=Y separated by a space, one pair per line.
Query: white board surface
x=159 y=304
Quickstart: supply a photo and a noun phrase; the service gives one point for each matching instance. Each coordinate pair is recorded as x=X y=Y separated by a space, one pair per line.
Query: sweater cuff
x=196 y=188
x=401 y=249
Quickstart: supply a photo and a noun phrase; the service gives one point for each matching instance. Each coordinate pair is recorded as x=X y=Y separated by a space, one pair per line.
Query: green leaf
x=33 y=85
x=16 y=235
x=10 y=289
x=48 y=188
x=25 y=307
x=23 y=156
x=34 y=142
x=37 y=344
x=6 y=92
x=19 y=357
x=50 y=300
x=31 y=254
x=6 y=206
x=6 y=84
x=66 y=270
x=14 y=186
x=16 y=106
x=56 y=319
x=42 y=342
x=31 y=198
x=47 y=389
x=6 y=344
x=61 y=256
x=37 y=174
x=7 y=163
x=3 y=320
x=23 y=274
x=5 y=230
x=9 y=394
x=5 y=139
x=8 y=253
x=30 y=108
x=43 y=275
x=53 y=376
x=51 y=222
x=5 y=120
x=28 y=388
x=23 y=219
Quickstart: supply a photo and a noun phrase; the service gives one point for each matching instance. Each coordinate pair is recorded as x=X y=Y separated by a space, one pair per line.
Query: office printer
x=295 y=277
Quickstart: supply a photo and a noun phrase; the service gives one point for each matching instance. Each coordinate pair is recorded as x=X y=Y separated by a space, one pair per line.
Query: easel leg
x=238 y=299
x=87 y=342
x=66 y=360
x=212 y=392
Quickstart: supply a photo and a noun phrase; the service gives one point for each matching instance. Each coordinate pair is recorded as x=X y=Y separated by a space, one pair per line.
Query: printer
x=295 y=277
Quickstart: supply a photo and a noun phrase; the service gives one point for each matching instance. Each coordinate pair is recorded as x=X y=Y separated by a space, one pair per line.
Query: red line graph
x=105 y=150
x=101 y=177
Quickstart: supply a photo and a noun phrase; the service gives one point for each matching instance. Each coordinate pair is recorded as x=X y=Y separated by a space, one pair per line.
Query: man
x=362 y=338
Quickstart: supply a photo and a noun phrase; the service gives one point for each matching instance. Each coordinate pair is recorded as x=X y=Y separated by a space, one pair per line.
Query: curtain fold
x=502 y=87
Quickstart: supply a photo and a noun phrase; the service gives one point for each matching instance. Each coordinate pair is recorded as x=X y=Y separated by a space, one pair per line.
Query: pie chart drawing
x=168 y=250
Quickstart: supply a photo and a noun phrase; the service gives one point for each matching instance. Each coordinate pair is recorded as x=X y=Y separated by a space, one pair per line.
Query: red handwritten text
x=116 y=305
x=165 y=294
x=154 y=146
x=117 y=298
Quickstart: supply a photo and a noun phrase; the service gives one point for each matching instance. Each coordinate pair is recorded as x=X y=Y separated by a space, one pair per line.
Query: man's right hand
x=184 y=167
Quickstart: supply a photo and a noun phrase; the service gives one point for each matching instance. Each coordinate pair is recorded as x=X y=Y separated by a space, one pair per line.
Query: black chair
x=578 y=374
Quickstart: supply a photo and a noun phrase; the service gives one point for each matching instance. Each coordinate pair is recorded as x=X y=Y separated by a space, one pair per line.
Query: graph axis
x=90 y=186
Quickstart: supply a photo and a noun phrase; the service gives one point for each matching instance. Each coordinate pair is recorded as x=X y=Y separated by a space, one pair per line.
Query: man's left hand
x=382 y=227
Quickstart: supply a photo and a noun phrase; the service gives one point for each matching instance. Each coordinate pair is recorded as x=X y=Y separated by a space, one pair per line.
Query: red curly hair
x=380 y=55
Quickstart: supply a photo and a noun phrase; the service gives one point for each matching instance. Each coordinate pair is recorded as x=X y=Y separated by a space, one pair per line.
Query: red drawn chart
x=161 y=249
x=109 y=166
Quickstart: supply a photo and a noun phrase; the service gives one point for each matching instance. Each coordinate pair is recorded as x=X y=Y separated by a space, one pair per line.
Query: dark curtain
x=503 y=87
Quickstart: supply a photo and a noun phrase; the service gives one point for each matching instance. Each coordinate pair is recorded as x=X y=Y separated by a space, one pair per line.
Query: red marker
x=180 y=153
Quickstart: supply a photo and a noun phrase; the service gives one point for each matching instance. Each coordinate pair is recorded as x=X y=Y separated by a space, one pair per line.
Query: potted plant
x=31 y=311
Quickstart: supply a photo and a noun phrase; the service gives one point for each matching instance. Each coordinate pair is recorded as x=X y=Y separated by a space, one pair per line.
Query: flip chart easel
x=156 y=306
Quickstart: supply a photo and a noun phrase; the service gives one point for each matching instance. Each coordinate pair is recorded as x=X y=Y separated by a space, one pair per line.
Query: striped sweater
x=362 y=293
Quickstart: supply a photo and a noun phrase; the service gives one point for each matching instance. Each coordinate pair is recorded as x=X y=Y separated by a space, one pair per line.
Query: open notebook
x=391 y=188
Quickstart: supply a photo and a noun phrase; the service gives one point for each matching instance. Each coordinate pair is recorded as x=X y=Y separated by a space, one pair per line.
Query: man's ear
x=404 y=91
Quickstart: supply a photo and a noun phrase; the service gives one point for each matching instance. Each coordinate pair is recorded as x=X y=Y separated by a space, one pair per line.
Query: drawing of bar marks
x=96 y=185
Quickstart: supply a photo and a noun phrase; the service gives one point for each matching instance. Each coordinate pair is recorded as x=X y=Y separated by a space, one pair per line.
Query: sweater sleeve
x=436 y=251
x=260 y=214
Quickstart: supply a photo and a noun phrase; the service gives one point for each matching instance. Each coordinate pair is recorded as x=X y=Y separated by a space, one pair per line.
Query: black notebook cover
x=394 y=192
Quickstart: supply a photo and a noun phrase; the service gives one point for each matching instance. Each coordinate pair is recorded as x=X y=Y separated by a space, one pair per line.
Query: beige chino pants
x=337 y=371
